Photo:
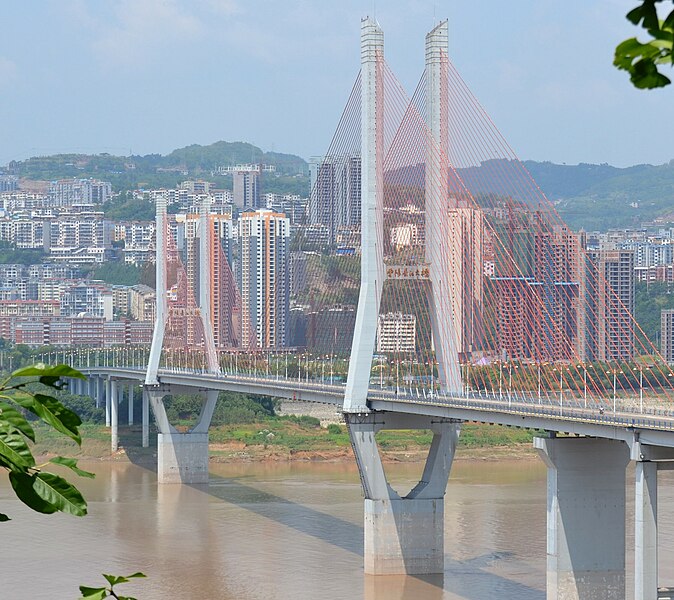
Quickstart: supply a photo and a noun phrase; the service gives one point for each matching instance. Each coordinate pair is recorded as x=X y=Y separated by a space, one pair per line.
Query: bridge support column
x=403 y=535
x=182 y=457
x=99 y=390
x=586 y=517
x=646 y=531
x=108 y=398
x=146 y=419
x=130 y=403
x=116 y=391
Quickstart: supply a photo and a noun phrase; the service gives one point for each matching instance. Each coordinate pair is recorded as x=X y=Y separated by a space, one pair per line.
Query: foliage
x=154 y=171
x=117 y=273
x=641 y=60
x=230 y=408
x=14 y=356
x=129 y=209
x=10 y=255
x=586 y=195
x=41 y=490
x=99 y=593
x=304 y=421
x=84 y=406
x=650 y=299
x=334 y=429
x=600 y=196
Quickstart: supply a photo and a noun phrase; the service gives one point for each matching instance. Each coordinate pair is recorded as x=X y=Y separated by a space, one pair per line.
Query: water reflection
x=279 y=531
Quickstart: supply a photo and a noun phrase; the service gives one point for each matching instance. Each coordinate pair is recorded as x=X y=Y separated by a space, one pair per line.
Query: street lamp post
x=510 y=383
x=500 y=380
x=397 y=377
x=381 y=373
x=615 y=376
x=641 y=389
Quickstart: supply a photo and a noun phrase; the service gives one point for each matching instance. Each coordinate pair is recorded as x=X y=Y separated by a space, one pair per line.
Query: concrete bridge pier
x=130 y=402
x=182 y=457
x=108 y=399
x=403 y=535
x=99 y=393
x=146 y=418
x=586 y=517
x=116 y=391
x=650 y=459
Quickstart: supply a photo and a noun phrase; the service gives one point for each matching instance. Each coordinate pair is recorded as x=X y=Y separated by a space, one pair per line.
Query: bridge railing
x=326 y=373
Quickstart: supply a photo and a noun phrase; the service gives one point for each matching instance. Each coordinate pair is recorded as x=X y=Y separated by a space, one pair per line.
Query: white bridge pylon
x=205 y=283
x=373 y=271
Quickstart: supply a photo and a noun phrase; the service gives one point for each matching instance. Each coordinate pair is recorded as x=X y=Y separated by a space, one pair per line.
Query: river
x=284 y=531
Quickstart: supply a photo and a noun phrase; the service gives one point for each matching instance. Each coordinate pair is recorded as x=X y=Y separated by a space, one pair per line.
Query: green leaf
x=4 y=518
x=60 y=493
x=71 y=463
x=14 y=449
x=647 y=12
x=22 y=483
x=42 y=370
x=668 y=23
x=136 y=575
x=52 y=412
x=645 y=75
x=89 y=593
x=115 y=579
x=10 y=415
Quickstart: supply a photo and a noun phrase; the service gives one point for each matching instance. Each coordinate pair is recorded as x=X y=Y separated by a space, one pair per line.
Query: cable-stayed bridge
x=436 y=285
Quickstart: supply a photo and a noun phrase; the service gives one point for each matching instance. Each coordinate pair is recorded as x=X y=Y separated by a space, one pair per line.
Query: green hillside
x=157 y=171
x=586 y=196
x=600 y=196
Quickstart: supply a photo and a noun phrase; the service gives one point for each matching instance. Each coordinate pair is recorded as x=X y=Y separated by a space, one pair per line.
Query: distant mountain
x=156 y=170
x=586 y=196
x=601 y=196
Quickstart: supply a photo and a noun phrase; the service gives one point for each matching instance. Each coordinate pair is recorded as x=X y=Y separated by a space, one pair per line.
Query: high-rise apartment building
x=335 y=194
x=66 y=192
x=223 y=296
x=466 y=279
x=667 y=335
x=396 y=332
x=247 y=186
x=263 y=278
x=536 y=311
x=609 y=293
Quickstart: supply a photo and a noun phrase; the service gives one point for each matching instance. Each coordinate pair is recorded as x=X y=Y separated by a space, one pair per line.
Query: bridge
x=474 y=303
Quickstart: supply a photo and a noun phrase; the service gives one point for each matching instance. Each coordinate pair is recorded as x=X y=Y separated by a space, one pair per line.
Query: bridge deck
x=655 y=425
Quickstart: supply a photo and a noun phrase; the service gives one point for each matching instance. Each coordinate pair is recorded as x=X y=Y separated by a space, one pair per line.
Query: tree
x=27 y=390
x=641 y=60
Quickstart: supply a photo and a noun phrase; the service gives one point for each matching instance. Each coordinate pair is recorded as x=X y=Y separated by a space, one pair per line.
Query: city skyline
x=121 y=55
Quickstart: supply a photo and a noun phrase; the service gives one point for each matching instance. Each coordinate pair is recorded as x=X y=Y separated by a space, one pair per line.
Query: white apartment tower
x=263 y=278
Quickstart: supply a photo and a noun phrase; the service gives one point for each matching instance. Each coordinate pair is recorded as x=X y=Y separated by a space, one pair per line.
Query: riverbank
x=291 y=439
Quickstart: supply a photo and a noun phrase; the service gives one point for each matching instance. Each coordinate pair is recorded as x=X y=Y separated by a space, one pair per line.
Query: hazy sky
x=153 y=75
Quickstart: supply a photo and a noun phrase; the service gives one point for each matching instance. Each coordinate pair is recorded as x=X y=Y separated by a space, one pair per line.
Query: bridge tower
x=402 y=534
x=182 y=457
